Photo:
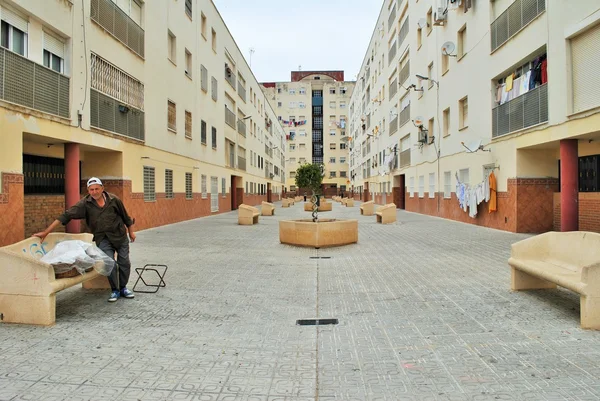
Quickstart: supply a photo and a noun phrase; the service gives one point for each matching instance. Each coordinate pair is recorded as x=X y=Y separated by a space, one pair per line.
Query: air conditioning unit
x=439 y=16
x=423 y=136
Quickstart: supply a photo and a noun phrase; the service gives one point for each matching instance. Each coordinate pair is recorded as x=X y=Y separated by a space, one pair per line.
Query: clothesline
x=471 y=196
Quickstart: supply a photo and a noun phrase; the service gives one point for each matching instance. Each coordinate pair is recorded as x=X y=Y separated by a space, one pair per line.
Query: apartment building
x=452 y=90
x=313 y=109
x=153 y=97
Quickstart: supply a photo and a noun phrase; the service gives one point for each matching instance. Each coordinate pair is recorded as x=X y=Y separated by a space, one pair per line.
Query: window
x=419 y=38
x=188 y=186
x=342 y=146
x=13 y=35
x=172 y=114
x=188 y=63
x=432 y=185
x=203 y=78
x=169 y=184
x=342 y=174
x=463 y=175
x=446 y=117
x=188 y=8
x=463 y=112
x=447 y=184
x=431 y=130
x=332 y=105
x=421 y=186
x=203 y=186
x=302 y=91
x=412 y=187
x=214 y=40
x=54 y=53
x=214 y=194
x=213 y=89
x=203 y=24
x=223 y=187
x=332 y=160
x=172 y=47
x=332 y=146
x=149 y=192
x=461 y=41
x=292 y=91
x=332 y=91
x=188 y=124
x=203 y=132
x=214 y=138
x=430 y=74
x=342 y=160
x=332 y=174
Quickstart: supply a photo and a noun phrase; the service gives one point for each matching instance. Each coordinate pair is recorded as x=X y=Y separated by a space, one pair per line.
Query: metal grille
x=391 y=18
x=393 y=88
x=188 y=124
x=241 y=163
x=223 y=187
x=403 y=33
x=405 y=158
x=149 y=189
x=203 y=186
x=241 y=127
x=188 y=7
x=114 y=20
x=43 y=175
x=115 y=82
x=32 y=85
x=172 y=115
x=241 y=91
x=229 y=77
x=394 y=125
x=108 y=114
x=169 y=184
x=515 y=18
x=214 y=138
x=404 y=73
x=203 y=78
x=229 y=117
x=392 y=53
x=404 y=116
x=203 y=132
x=188 y=186
x=213 y=89
x=524 y=111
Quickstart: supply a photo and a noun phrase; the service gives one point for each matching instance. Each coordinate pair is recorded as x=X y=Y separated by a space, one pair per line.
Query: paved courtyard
x=424 y=307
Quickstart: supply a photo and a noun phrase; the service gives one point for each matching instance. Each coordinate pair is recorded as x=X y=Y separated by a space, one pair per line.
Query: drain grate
x=315 y=322
x=319 y=257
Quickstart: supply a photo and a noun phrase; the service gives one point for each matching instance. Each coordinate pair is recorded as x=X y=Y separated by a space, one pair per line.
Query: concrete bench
x=570 y=260
x=267 y=209
x=349 y=202
x=247 y=215
x=367 y=208
x=324 y=206
x=386 y=214
x=28 y=286
x=287 y=202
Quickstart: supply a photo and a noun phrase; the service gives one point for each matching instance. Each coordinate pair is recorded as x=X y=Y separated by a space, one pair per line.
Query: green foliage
x=309 y=176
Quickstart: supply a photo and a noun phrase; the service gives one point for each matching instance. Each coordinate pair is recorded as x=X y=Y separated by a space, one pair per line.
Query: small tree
x=310 y=176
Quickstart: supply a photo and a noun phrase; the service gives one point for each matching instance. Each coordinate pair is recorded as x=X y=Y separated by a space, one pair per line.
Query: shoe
x=127 y=293
x=114 y=296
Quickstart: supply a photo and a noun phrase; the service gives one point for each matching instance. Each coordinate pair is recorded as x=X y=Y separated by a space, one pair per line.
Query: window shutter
x=14 y=19
x=585 y=56
x=54 y=45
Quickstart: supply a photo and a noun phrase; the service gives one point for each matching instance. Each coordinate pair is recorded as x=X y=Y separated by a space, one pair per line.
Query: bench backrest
x=243 y=208
x=574 y=248
x=32 y=248
x=367 y=203
x=267 y=204
x=389 y=206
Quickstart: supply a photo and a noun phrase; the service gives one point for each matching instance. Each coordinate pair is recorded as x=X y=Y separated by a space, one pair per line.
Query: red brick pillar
x=569 y=192
x=72 y=183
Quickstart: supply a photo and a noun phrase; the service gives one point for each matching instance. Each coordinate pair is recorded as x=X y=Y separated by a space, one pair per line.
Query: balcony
x=317 y=101
x=32 y=85
x=241 y=163
x=393 y=89
x=524 y=111
x=405 y=158
x=114 y=21
x=404 y=116
x=229 y=77
x=392 y=53
x=241 y=127
x=404 y=73
x=394 y=125
x=111 y=115
x=403 y=33
x=229 y=117
x=516 y=17
x=241 y=91
x=391 y=18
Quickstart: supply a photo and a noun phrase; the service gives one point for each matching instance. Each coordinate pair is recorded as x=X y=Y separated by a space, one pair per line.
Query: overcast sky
x=314 y=34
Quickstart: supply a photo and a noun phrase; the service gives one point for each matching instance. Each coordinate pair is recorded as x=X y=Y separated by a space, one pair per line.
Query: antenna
x=251 y=52
x=448 y=48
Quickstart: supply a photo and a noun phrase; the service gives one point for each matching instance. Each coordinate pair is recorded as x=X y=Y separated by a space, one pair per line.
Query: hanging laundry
x=525 y=82
x=480 y=192
x=509 y=82
x=472 y=202
x=486 y=184
x=492 y=203
x=544 y=69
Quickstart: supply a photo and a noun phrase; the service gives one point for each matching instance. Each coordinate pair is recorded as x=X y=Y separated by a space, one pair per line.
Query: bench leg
x=26 y=309
x=590 y=312
x=519 y=280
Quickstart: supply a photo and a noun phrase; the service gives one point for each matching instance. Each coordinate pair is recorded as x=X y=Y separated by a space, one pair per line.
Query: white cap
x=94 y=180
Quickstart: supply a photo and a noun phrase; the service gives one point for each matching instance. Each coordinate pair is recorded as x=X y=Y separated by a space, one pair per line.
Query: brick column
x=72 y=195
x=569 y=192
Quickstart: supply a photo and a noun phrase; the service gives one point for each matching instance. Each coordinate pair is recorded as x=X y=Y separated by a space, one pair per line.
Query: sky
x=313 y=34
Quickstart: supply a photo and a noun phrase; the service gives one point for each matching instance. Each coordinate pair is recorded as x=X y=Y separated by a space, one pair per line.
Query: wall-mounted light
x=428 y=79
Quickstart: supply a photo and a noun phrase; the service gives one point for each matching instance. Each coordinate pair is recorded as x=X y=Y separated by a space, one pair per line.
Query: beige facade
x=156 y=94
x=470 y=124
x=313 y=109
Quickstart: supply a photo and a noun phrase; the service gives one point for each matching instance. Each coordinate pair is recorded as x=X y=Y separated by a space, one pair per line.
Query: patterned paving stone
x=424 y=308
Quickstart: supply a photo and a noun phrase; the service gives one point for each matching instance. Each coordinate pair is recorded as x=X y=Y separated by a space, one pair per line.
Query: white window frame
x=431 y=185
x=203 y=186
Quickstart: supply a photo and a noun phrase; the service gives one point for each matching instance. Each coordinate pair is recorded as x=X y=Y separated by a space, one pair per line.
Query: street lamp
x=428 y=79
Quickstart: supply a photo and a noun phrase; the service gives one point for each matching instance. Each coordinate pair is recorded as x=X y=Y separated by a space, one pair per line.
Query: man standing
x=105 y=215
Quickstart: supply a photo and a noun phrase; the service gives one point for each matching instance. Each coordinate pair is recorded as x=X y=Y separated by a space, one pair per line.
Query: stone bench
x=386 y=214
x=28 y=286
x=267 y=209
x=324 y=206
x=349 y=202
x=247 y=215
x=570 y=260
x=367 y=208
x=287 y=202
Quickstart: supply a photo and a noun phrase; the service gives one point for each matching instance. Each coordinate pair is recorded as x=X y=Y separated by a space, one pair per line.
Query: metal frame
x=156 y=287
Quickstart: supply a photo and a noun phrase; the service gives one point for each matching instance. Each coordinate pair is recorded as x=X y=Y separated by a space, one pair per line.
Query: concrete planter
x=323 y=233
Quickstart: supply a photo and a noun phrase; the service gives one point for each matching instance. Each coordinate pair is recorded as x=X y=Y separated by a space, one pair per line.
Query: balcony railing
x=404 y=73
x=516 y=17
x=405 y=158
x=394 y=125
x=32 y=85
x=229 y=77
x=393 y=89
x=392 y=53
x=111 y=115
x=403 y=33
x=524 y=111
x=391 y=18
x=114 y=20
x=241 y=127
x=241 y=91
x=229 y=118
x=404 y=116
x=241 y=163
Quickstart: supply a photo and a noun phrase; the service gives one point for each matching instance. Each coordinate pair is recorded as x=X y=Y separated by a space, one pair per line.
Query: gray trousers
x=119 y=276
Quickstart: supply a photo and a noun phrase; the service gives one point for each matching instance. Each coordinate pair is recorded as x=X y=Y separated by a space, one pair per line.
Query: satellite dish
x=473 y=146
x=418 y=120
x=422 y=23
x=448 y=48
